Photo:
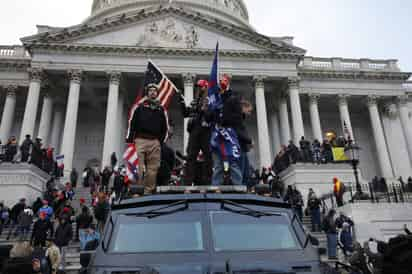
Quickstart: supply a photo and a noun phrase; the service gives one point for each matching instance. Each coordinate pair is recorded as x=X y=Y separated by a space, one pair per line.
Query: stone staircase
x=71 y=254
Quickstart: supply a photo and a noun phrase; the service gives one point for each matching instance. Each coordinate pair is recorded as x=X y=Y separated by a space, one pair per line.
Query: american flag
x=166 y=92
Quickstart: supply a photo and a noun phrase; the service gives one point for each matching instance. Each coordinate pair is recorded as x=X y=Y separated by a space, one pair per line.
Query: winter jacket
x=40 y=229
x=48 y=210
x=101 y=211
x=64 y=234
x=25 y=219
x=84 y=221
x=149 y=121
x=16 y=210
x=106 y=174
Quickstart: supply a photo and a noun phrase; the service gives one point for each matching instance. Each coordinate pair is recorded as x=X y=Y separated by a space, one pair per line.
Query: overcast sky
x=347 y=28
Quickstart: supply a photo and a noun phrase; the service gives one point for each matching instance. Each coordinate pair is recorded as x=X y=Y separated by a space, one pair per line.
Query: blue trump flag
x=215 y=100
x=224 y=141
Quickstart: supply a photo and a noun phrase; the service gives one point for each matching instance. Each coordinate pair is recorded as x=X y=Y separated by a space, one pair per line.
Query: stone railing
x=408 y=86
x=342 y=64
x=13 y=52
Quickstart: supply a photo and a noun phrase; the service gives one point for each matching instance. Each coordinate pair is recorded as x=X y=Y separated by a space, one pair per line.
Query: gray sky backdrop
x=378 y=29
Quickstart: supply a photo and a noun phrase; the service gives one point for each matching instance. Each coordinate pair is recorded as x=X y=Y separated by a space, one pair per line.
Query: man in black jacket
x=229 y=117
x=148 y=130
x=200 y=130
x=25 y=148
x=40 y=229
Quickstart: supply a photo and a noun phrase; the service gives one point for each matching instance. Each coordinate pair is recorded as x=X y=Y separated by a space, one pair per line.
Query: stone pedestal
x=318 y=177
x=21 y=181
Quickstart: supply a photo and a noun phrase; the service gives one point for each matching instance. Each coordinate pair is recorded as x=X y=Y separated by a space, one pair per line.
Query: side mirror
x=313 y=240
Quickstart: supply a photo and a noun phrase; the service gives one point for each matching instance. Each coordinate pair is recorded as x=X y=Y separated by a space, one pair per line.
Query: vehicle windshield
x=236 y=232
x=179 y=232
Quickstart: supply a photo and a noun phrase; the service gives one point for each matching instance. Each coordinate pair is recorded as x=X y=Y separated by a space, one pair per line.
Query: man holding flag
x=148 y=126
x=225 y=112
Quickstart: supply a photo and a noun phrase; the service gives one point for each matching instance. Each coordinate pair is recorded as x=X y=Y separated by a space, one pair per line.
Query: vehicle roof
x=161 y=199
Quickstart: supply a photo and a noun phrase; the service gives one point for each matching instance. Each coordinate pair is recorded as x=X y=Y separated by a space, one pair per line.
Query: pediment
x=167 y=32
x=165 y=28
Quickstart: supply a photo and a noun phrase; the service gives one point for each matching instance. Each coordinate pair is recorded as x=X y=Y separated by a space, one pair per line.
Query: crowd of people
x=307 y=152
x=42 y=229
x=30 y=151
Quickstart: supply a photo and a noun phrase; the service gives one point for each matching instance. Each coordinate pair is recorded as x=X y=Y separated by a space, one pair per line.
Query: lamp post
x=354 y=160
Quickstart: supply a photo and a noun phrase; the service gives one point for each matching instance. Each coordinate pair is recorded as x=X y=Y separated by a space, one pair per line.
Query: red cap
x=203 y=83
x=66 y=210
x=82 y=200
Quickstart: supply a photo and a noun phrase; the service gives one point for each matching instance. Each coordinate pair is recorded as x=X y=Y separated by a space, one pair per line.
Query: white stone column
x=381 y=148
x=344 y=115
x=56 y=130
x=70 y=124
x=274 y=122
x=32 y=102
x=109 y=145
x=8 y=113
x=262 y=122
x=314 y=116
x=405 y=121
x=188 y=83
x=298 y=130
x=284 y=121
x=45 y=119
x=122 y=122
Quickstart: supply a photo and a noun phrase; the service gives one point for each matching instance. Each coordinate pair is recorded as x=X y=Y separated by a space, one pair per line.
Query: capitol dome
x=231 y=11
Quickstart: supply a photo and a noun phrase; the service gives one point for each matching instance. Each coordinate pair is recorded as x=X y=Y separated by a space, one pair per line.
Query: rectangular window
x=160 y=234
x=236 y=232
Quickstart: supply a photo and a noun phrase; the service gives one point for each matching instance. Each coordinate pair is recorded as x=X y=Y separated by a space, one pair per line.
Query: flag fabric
x=224 y=140
x=166 y=91
x=60 y=161
x=166 y=87
x=215 y=100
x=132 y=162
x=339 y=154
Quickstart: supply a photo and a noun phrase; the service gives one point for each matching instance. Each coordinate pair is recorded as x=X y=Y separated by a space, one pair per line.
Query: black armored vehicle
x=209 y=230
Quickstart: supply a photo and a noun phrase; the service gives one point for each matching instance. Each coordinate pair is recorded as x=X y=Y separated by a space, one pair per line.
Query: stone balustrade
x=408 y=86
x=13 y=52
x=343 y=64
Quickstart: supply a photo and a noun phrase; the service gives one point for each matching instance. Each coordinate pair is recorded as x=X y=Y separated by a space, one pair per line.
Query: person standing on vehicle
x=226 y=151
x=148 y=130
x=199 y=130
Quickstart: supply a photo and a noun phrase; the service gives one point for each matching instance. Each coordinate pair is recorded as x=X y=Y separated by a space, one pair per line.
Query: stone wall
x=21 y=181
x=379 y=220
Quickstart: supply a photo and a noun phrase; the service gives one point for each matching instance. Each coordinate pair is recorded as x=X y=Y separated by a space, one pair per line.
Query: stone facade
x=73 y=86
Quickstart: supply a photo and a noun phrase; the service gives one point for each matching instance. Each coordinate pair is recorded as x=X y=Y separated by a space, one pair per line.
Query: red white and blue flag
x=223 y=140
x=166 y=91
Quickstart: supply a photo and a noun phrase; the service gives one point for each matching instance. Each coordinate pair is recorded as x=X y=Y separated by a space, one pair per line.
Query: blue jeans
x=235 y=171
x=22 y=230
x=332 y=243
x=244 y=167
x=315 y=214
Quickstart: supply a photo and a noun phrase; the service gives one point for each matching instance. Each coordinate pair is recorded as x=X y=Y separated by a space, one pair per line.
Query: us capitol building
x=73 y=86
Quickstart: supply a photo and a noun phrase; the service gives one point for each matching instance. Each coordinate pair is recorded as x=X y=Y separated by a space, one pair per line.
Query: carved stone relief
x=168 y=33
